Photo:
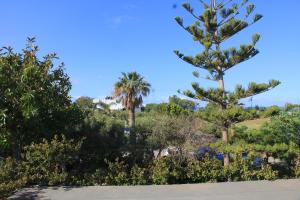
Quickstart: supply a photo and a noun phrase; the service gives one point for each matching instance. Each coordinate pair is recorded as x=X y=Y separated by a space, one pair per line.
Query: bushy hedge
x=178 y=170
x=63 y=161
x=47 y=164
x=10 y=177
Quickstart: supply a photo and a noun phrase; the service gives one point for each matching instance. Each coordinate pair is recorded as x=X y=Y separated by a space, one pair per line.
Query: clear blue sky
x=99 y=39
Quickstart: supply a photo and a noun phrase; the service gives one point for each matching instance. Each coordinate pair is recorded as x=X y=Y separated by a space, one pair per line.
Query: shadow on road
x=29 y=194
x=37 y=193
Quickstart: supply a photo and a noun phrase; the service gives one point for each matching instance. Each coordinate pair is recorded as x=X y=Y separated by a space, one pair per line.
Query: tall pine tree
x=219 y=22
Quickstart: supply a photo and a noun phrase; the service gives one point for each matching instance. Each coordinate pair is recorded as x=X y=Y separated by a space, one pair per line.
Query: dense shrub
x=35 y=101
x=271 y=111
x=168 y=170
x=243 y=170
x=139 y=175
x=297 y=167
x=51 y=163
x=266 y=173
x=204 y=170
x=10 y=177
x=117 y=173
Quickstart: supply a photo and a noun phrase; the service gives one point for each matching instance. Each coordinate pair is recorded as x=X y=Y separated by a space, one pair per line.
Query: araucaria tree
x=219 y=22
x=131 y=88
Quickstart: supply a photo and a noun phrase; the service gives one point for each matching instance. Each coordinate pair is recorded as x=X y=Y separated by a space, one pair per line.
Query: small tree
x=219 y=22
x=131 y=88
x=85 y=103
x=34 y=97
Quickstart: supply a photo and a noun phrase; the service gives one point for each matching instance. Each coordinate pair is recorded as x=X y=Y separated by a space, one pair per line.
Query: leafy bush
x=51 y=163
x=266 y=173
x=204 y=170
x=283 y=129
x=167 y=170
x=117 y=173
x=139 y=176
x=35 y=101
x=241 y=169
x=271 y=111
x=10 y=177
x=297 y=167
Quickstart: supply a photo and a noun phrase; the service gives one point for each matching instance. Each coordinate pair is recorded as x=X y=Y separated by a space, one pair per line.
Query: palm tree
x=131 y=88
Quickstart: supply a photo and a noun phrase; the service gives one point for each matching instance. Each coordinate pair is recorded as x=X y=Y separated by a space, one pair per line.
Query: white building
x=113 y=103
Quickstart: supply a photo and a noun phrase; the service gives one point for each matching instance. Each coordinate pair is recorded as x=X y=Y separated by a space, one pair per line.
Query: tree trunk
x=225 y=140
x=225 y=137
x=131 y=118
x=17 y=144
x=221 y=85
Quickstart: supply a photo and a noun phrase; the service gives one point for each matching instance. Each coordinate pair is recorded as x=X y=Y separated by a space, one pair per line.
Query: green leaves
x=255 y=38
x=253 y=89
x=187 y=6
x=179 y=21
x=250 y=9
x=211 y=31
x=210 y=24
x=211 y=95
x=226 y=12
x=180 y=55
x=196 y=32
x=232 y=27
x=274 y=83
x=257 y=17
x=34 y=95
x=196 y=74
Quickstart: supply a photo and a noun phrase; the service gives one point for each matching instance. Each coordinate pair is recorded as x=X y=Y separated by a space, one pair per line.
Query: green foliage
x=170 y=131
x=175 y=107
x=117 y=173
x=31 y=116
x=242 y=170
x=219 y=22
x=171 y=109
x=278 y=138
x=204 y=170
x=130 y=89
x=85 y=103
x=10 y=177
x=267 y=173
x=283 y=129
x=5 y=145
x=139 y=175
x=271 y=111
x=297 y=167
x=104 y=138
x=167 y=170
x=50 y=163
x=291 y=107
x=35 y=101
x=183 y=103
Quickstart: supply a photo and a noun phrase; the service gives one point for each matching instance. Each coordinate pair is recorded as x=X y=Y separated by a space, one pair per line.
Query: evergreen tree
x=219 y=22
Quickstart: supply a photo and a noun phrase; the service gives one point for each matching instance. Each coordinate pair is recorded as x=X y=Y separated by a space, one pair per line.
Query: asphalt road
x=259 y=190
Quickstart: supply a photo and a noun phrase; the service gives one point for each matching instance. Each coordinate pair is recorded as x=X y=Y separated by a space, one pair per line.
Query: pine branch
x=222 y=4
x=240 y=57
x=210 y=95
x=253 y=89
x=234 y=14
x=209 y=78
x=204 y=4
x=188 y=8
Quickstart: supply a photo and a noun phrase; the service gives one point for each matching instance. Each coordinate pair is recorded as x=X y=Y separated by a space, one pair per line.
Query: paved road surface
x=260 y=190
